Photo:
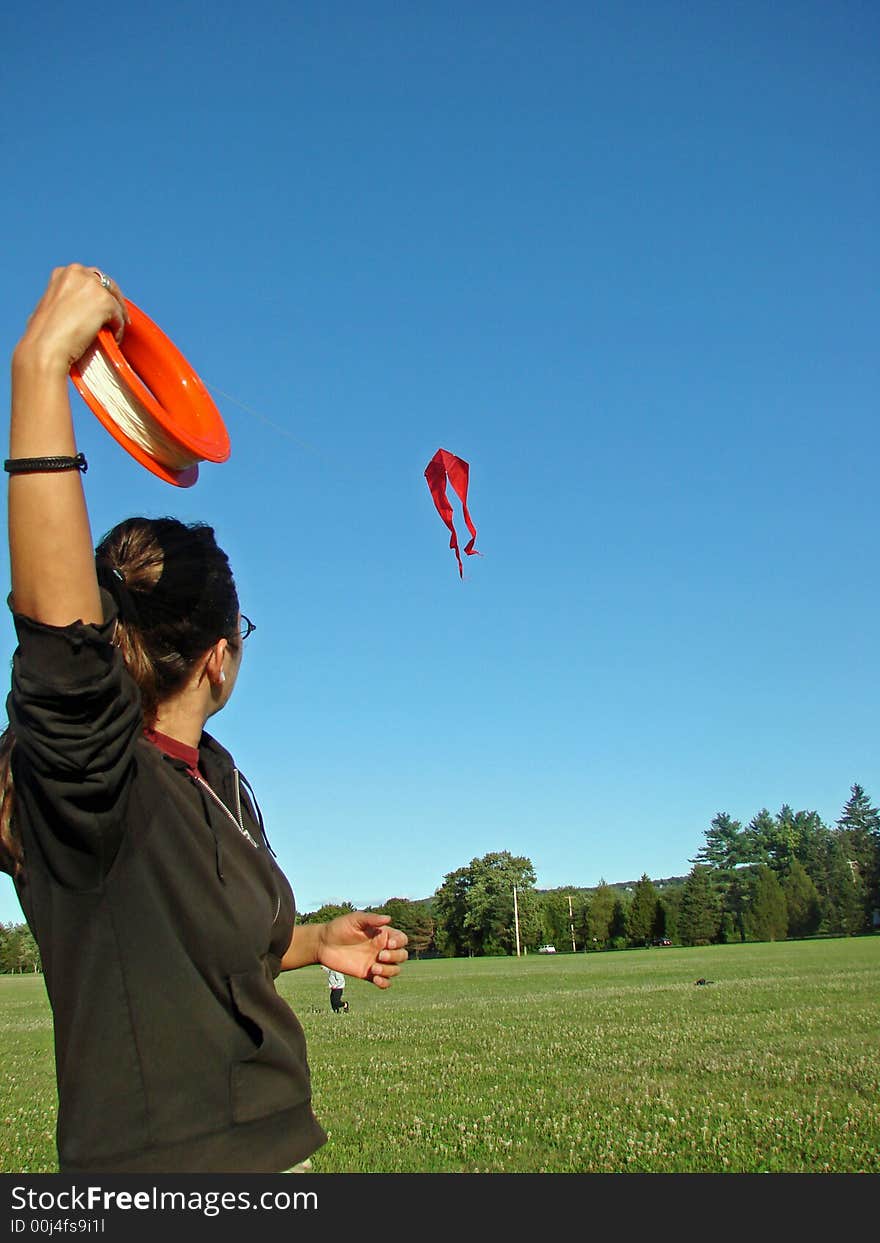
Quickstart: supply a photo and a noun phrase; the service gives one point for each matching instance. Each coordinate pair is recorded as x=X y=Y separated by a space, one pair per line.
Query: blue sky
x=622 y=258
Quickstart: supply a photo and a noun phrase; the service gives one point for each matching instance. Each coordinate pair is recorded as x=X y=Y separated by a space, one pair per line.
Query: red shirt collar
x=171 y=746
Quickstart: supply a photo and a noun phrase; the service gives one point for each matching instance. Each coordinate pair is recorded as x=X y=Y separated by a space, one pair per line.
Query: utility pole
x=571 y=925
x=516 y=920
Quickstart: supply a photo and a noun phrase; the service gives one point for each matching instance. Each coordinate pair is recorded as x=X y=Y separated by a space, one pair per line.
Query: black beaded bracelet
x=36 y=465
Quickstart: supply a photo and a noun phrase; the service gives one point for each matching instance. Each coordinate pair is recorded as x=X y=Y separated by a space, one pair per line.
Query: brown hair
x=175 y=597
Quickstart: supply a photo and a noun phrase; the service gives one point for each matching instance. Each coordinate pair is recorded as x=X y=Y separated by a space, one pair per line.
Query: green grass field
x=589 y=1063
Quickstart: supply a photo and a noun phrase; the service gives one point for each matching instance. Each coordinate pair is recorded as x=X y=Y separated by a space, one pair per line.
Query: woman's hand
x=360 y=944
x=68 y=317
x=364 y=946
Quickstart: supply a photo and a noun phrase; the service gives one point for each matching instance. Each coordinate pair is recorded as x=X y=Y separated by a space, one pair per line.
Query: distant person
x=137 y=850
x=336 y=980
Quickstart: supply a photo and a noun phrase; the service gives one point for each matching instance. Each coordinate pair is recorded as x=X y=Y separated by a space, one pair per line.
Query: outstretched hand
x=363 y=945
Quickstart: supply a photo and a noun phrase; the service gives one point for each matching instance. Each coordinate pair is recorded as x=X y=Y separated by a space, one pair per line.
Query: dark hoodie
x=161 y=918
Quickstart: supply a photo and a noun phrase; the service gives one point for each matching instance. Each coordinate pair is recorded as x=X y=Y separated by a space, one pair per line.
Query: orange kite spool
x=151 y=401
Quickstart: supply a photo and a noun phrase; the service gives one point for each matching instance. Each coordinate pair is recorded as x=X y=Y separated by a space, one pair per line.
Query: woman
x=139 y=858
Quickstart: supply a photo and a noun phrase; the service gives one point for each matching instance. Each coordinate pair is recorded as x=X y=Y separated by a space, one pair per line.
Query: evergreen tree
x=601 y=914
x=734 y=901
x=843 y=910
x=859 y=828
x=642 y=917
x=814 y=854
x=559 y=920
x=859 y=815
x=619 y=917
x=698 y=916
x=582 y=933
x=776 y=840
x=760 y=838
x=659 y=927
x=790 y=829
x=725 y=843
x=766 y=917
x=670 y=905
x=802 y=901
x=415 y=920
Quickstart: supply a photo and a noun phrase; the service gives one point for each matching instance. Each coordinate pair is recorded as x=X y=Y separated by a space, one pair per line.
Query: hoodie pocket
x=275 y=1076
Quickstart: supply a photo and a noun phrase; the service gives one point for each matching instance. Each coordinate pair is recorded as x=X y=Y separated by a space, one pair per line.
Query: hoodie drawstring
x=241 y=780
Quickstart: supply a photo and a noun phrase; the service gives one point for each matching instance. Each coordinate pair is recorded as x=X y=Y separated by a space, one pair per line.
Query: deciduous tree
x=325 y=913
x=18 y=949
x=474 y=905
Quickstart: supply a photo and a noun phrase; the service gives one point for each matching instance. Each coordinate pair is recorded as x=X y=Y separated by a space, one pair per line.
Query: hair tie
x=112 y=579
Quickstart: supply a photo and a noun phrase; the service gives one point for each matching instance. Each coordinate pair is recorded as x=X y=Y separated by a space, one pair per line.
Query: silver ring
x=105 y=280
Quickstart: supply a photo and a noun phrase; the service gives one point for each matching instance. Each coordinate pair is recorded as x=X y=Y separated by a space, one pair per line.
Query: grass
x=573 y=1063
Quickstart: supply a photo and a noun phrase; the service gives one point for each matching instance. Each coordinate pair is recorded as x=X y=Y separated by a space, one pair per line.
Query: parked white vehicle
x=546 y=949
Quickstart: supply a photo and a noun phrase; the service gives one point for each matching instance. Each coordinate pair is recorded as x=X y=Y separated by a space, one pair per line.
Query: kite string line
x=282 y=431
x=128 y=412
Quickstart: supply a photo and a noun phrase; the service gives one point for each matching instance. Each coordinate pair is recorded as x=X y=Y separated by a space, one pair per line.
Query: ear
x=214 y=663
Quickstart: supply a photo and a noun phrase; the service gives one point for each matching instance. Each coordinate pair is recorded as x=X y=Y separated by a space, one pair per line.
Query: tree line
x=782 y=875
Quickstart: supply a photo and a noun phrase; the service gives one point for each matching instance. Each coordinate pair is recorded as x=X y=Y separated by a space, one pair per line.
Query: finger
x=119 y=311
x=118 y=321
x=393 y=955
x=114 y=315
x=386 y=968
x=369 y=919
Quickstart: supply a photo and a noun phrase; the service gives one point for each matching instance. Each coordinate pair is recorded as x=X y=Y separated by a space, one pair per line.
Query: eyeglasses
x=247 y=627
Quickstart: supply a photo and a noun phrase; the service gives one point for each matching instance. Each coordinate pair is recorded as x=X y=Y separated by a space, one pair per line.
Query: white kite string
x=128 y=412
x=282 y=431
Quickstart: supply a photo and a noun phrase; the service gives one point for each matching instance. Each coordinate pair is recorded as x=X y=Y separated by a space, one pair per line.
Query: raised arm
x=50 y=542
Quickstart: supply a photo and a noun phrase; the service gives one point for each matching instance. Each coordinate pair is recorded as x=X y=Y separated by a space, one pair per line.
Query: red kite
x=442 y=466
